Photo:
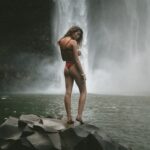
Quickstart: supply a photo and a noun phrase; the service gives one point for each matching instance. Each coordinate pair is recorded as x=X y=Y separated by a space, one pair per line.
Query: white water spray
x=119 y=39
x=118 y=44
x=68 y=13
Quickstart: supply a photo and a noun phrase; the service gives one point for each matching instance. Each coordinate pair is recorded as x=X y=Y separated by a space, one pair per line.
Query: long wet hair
x=72 y=30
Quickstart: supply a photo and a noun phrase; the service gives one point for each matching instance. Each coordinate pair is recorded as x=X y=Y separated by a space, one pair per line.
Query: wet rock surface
x=31 y=132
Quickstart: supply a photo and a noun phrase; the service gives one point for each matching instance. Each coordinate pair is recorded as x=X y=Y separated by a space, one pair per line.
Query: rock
x=89 y=144
x=40 y=141
x=5 y=144
x=27 y=131
x=44 y=128
x=86 y=128
x=69 y=139
x=9 y=129
x=25 y=144
x=96 y=141
x=31 y=132
x=83 y=137
x=55 y=139
x=54 y=123
x=29 y=119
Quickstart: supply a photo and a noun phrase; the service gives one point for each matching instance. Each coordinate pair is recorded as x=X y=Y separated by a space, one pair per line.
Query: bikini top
x=67 y=52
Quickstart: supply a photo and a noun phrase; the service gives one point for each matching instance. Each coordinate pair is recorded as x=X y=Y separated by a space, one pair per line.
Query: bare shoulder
x=73 y=42
x=63 y=41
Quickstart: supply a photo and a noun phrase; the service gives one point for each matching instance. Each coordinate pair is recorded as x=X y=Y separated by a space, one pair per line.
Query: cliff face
x=25 y=39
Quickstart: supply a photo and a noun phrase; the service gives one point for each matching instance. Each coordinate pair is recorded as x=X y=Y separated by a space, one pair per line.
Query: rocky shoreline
x=32 y=132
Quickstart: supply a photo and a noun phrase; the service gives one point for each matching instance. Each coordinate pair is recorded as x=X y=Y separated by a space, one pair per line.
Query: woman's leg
x=83 y=93
x=67 y=99
x=82 y=88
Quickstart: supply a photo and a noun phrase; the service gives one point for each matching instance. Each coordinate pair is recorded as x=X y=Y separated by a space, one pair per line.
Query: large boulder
x=9 y=129
x=31 y=132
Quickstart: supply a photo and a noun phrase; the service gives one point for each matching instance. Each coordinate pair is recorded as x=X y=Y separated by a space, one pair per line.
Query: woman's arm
x=76 y=57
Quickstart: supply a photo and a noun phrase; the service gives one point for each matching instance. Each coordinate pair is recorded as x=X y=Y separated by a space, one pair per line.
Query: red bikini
x=69 y=64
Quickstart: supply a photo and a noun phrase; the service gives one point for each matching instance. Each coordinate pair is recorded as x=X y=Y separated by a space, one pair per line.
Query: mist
x=116 y=44
x=119 y=43
x=115 y=49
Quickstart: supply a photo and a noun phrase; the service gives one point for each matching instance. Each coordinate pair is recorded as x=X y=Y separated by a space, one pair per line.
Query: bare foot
x=70 y=122
x=80 y=120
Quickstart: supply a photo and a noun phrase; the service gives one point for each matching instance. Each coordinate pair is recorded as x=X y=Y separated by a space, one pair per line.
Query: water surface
x=125 y=118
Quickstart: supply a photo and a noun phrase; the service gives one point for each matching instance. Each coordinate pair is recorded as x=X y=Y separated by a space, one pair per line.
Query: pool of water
x=125 y=118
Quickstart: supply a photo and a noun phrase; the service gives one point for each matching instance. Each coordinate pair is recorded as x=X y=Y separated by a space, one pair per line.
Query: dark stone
x=9 y=129
x=27 y=131
x=69 y=139
x=4 y=145
x=19 y=146
x=55 y=139
x=89 y=143
x=40 y=141
x=29 y=119
x=123 y=147
x=86 y=128
x=26 y=144
x=47 y=129
x=54 y=123
x=82 y=137
x=95 y=141
x=39 y=133
x=81 y=132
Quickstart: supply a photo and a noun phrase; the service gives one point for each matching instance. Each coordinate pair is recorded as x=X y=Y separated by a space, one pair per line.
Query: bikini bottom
x=69 y=64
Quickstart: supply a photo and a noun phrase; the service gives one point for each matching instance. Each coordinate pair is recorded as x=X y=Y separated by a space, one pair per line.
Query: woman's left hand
x=83 y=77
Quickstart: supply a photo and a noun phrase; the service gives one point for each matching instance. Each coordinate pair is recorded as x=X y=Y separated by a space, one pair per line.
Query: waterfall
x=116 y=48
x=120 y=47
x=68 y=13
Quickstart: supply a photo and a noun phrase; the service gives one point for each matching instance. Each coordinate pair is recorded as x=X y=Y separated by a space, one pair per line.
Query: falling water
x=115 y=52
x=119 y=38
x=68 y=13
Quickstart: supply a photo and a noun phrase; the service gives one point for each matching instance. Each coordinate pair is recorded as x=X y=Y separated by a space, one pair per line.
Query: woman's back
x=66 y=49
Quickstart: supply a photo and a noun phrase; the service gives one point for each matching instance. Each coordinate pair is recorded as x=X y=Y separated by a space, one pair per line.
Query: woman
x=73 y=71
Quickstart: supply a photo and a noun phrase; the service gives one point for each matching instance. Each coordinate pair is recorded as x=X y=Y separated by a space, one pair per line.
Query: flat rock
x=27 y=131
x=5 y=144
x=55 y=139
x=29 y=119
x=54 y=123
x=9 y=129
x=44 y=128
x=40 y=141
x=70 y=139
